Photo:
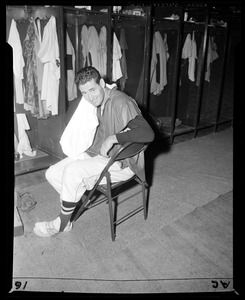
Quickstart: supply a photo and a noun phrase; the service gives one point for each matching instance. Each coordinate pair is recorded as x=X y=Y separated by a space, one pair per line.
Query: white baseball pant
x=71 y=178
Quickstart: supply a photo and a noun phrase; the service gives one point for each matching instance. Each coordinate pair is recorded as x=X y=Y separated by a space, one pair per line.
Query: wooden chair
x=125 y=151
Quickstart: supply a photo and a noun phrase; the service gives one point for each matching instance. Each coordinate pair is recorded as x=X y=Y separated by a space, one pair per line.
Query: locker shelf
x=35 y=164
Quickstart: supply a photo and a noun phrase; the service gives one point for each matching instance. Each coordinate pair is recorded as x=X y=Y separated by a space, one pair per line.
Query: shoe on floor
x=48 y=229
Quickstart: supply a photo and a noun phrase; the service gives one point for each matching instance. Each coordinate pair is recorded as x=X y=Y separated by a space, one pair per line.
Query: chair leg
x=111 y=219
x=144 y=199
x=110 y=207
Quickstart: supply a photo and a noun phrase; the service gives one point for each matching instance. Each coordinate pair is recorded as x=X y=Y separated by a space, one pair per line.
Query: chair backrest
x=128 y=150
x=125 y=151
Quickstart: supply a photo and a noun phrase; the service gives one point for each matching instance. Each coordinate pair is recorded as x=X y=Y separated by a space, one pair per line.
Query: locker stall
x=132 y=27
x=195 y=102
x=75 y=21
x=44 y=129
x=186 y=101
x=167 y=24
x=194 y=39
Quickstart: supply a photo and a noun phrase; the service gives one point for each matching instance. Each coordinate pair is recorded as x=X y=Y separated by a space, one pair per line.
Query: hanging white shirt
x=18 y=62
x=192 y=58
x=190 y=51
x=116 y=56
x=49 y=55
x=186 y=51
x=103 y=51
x=71 y=86
x=85 y=45
x=123 y=62
x=160 y=47
x=23 y=143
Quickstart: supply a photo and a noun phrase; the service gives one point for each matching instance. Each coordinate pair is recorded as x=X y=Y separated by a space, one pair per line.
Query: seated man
x=116 y=120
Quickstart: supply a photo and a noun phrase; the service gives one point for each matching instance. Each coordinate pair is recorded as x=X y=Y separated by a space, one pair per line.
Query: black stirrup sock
x=67 y=208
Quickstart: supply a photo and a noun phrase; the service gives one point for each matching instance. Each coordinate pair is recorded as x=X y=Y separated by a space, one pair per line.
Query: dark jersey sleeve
x=140 y=131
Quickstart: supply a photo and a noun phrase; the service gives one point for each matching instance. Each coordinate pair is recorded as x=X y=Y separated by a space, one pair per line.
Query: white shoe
x=48 y=229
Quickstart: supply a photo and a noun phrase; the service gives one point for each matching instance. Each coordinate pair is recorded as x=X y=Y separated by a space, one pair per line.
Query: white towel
x=79 y=133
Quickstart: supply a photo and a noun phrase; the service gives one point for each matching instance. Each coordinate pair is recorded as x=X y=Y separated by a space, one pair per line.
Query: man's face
x=93 y=92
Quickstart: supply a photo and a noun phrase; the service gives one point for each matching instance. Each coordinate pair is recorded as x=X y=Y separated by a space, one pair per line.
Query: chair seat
x=103 y=187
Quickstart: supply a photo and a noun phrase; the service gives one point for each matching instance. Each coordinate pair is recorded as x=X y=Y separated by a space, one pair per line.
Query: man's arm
x=140 y=131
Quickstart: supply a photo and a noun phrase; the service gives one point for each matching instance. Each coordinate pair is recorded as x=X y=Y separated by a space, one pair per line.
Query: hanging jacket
x=70 y=84
x=190 y=51
x=159 y=49
x=199 y=63
x=192 y=58
x=94 y=44
x=211 y=56
x=43 y=112
x=116 y=56
x=85 y=46
x=123 y=62
x=31 y=86
x=49 y=55
x=103 y=52
x=18 y=62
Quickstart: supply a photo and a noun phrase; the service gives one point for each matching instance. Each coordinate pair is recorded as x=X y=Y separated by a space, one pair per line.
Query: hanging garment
x=43 y=112
x=186 y=51
x=211 y=56
x=70 y=84
x=165 y=57
x=192 y=58
x=153 y=65
x=18 y=62
x=190 y=51
x=49 y=55
x=139 y=97
x=160 y=56
x=31 y=86
x=23 y=143
x=94 y=46
x=199 y=63
x=79 y=132
x=116 y=56
x=103 y=51
x=85 y=46
x=123 y=62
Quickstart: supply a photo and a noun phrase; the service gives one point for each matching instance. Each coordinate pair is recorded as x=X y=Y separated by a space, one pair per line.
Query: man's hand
x=107 y=145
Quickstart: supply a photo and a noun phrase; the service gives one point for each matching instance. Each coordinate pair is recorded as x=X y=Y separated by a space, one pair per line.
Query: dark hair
x=86 y=74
